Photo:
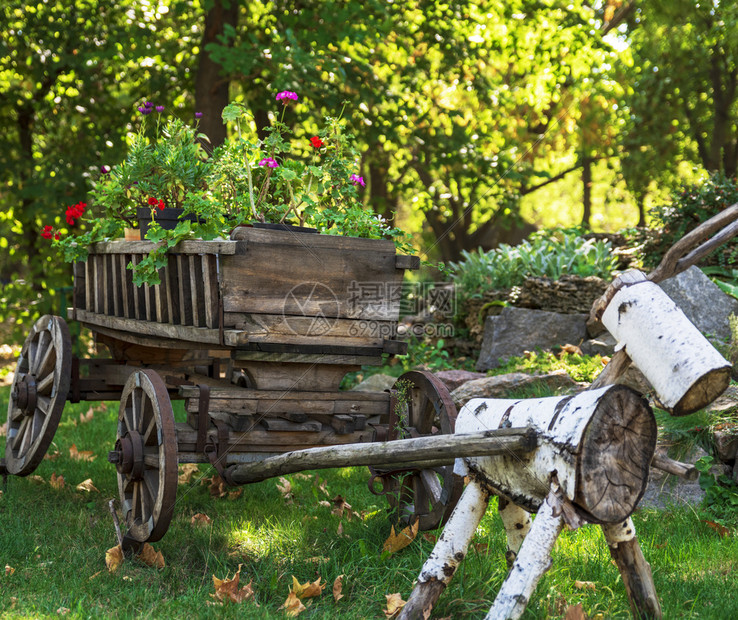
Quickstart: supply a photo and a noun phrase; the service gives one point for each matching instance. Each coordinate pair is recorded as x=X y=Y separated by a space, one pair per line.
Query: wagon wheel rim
x=145 y=457
x=427 y=495
x=38 y=394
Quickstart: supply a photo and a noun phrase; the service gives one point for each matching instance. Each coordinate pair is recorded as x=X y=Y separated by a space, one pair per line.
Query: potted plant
x=308 y=183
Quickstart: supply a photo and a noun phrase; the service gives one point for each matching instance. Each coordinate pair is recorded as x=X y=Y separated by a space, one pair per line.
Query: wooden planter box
x=262 y=291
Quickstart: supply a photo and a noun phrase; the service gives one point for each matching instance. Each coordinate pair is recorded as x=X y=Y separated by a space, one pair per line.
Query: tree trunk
x=599 y=443
x=684 y=368
x=211 y=88
x=586 y=191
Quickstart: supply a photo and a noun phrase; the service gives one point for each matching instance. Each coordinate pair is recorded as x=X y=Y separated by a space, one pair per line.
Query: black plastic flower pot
x=167 y=218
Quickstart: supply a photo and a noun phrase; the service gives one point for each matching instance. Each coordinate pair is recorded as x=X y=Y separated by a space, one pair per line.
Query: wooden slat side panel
x=126 y=284
x=117 y=291
x=89 y=285
x=303 y=281
x=185 y=291
x=109 y=291
x=173 y=283
x=120 y=246
x=80 y=285
x=211 y=291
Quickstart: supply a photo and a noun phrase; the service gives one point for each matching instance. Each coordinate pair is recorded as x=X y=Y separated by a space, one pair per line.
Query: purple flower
x=144 y=110
x=104 y=169
x=357 y=180
x=269 y=162
x=148 y=105
x=285 y=96
x=198 y=114
x=160 y=108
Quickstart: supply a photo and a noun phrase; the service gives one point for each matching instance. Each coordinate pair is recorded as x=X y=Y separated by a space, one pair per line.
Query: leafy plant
x=307 y=182
x=547 y=253
x=721 y=492
x=579 y=367
x=689 y=206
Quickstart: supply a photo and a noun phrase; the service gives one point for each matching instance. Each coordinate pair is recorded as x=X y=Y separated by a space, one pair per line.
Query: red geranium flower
x=47 y=233
x=161 y=205
x=152 y=201
x=316 y=142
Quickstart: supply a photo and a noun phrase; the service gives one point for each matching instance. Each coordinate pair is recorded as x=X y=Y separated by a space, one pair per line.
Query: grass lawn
x=53 y=543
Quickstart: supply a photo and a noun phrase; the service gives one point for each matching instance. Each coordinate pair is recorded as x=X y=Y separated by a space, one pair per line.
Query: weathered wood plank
x=173 y=285
x=307 y=358
x=127 y=285
x=184 y=293
x=210 y=290
x=320 y=275
x=148 y=328
x=192 y=246
x=277 y=406
x=117 y=291
x=236 y=393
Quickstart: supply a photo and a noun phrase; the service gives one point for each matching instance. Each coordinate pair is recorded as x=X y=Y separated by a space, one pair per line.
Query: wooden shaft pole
x=442 y=448
x=533 y=560
x=448 y=553
x=676 y=468
x=636 y=572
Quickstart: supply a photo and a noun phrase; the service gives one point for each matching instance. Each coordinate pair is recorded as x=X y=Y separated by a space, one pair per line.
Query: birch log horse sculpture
x=594 y=449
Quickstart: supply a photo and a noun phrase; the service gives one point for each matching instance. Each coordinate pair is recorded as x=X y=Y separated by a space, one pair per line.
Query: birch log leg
x=517 y=525
x=448 y=553
x=532 y=562
x=636 y=572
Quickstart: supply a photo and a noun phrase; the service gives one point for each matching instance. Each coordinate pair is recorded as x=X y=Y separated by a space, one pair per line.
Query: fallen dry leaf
x=52 y=456
x=235 y=494
x=396 y=542
x=86 y=417
x=584 y=585
x=114 y=558
x=63 y=611
x=307 y=590
x=293 y=606
x=571 y=349
x=186 y=472
x=394 y=605
x=83 y=455
x=9 y=570
x=3 y=429
x=37 y=479
x=149 y=556
x=720 y=529
x=321 y=485
x=56 y=482
x=228 y=590
x=218 y=487
x=575 y=612
x=339 y=531
x=337 y=587
x=431 y=538
x=201 y=520
x=86 y=485
x=341 y=507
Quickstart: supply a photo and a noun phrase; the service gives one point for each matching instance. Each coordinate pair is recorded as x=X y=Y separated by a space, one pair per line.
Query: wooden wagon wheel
x=145 y=456
x=424 y=407
x=38 y=394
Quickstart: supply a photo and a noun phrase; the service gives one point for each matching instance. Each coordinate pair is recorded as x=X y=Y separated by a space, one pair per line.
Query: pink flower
x=285 y=96
x=269 y=162
x=357 y=180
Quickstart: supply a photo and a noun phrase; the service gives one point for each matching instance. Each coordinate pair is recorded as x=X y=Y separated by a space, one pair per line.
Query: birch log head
x=685 y=370
x=599 y=443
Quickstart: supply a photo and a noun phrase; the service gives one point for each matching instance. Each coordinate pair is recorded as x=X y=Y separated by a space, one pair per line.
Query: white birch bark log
x=682 y=366
x=517 y=524
x=599 y=442
x=448 y=553
x=533 y=560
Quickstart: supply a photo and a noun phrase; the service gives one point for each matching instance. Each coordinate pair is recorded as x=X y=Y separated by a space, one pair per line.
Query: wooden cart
x=255 y=334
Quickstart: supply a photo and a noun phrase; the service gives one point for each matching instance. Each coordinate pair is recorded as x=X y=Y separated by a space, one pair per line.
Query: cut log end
x=705 y=390
x=616 y=450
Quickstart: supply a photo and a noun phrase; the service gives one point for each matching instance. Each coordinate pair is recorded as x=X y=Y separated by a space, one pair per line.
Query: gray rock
x=375 y=383
x=453 y=379
x=501 y=385
x=726 y=444
x=702 y=301
x=665 y=490
x=604 y=344
x=517 y=330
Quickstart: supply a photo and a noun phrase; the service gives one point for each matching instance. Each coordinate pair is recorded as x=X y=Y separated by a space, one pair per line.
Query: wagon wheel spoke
x=145 y=457
x=38 y=394
x=429 y=495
